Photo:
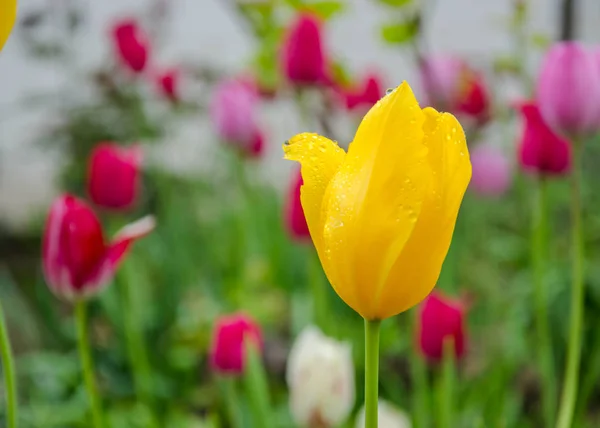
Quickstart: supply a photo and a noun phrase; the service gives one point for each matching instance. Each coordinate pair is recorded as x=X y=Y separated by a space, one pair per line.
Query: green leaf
x=395 y=3
x=401 y=33
x=325 y=9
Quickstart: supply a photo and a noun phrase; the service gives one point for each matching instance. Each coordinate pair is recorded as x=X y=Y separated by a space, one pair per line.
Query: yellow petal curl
x=382 y=216
x=8 y=14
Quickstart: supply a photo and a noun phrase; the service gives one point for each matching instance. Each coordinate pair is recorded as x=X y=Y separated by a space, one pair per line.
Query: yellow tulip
x=8 y=14
x=382 y=216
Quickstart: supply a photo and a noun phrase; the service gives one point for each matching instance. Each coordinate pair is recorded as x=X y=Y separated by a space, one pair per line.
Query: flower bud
x=441 y=320
x=233 y=113
x=320 y=377
x=131 y=45
x=228 y=350
x=366 y=95
x=303 y=54
x=167 y=84
x=541 y=150
x=294 y=214
x=77 y=262
x=114 y=175
x=492 y=173
x=388 y=417
x=568 y=89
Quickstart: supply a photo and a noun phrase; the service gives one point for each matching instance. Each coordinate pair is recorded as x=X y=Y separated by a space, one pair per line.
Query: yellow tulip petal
x=320 y=158
x=417 y=269
x=375 y=199
x=8 y=14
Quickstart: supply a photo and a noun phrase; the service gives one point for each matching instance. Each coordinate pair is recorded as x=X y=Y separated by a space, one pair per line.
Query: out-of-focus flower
x=388 y=417
x=568 y=89
x=131 y=44
x=303 y=55
x=256 y=147
x=441 y=319
x=492 y=172
x=382 y=216
x=7 y=19
x=76 y=259
x=451 y=84
x=233 y=113
x=294 y=214
x=366 y=95
x=168 y=84
x=320 y=377
x=114 y=175
x=541 y=150
x=230 y=336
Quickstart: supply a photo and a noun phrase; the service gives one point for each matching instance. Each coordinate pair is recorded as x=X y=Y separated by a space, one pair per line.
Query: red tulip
x=294 y=214
x=114 y=175
x=167 y=83
x=366 y=95
x=474 y=100
x=256 y=147
x=541 y=150
x=304 y=60
x=77 y=262
x=441 y=319
x=228 y=353
x=131 y=45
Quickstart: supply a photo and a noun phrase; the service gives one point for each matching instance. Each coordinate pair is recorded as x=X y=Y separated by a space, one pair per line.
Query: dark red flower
x=304 y=61
x=231 y=333
x=131 y=45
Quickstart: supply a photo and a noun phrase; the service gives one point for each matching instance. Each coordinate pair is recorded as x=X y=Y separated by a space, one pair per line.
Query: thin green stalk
x=319 y=292
x=87 y=364
x=136 y=348
x=569 y=392
x=420 y=399
x=371 y=372
x=544 y=344
x=10 y=383
x=446 y=385
x=257 y=388
x=234 y=409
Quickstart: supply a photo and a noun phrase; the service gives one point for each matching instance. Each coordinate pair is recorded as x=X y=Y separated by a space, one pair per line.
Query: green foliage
x=395 y=3
x=401 y=33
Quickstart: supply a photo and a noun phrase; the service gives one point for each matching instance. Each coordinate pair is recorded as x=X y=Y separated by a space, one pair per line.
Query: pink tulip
x=303 y=56
x=440 y=320
x=294 y=214
x=131 y=44
x=366 y=95
x=167 y=84
x=450 y=84
x=230 y=339
x=492 y=173
x=77 y=262
x=568 y=90
x=541 y=150
x=233 y=111
x=114 y=175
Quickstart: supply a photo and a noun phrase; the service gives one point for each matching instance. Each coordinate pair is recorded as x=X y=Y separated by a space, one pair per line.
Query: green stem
x=319 y=296
x=257 y=388
x=136 y=348
x=544 y=344
x=446 y=385
x=569 y=392
x=86 y=363
x=371 y=372
x=234 y=408
x=10 y=383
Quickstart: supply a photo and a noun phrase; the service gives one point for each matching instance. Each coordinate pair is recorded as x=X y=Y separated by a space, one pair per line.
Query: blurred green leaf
x=325 y=9
x=401 y=33
x=395 y=3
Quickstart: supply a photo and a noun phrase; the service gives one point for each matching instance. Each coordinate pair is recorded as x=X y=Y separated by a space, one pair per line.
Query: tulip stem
x=446 y=384
x=234 y=410
x=257 y=388
x=372 y=329
x=10 y=384
x=87 y=364
x=544 y=345
x=569 y=392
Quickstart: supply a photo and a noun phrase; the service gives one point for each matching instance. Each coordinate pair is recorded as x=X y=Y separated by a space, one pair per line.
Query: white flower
x=389 y=417
x=320 y=377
